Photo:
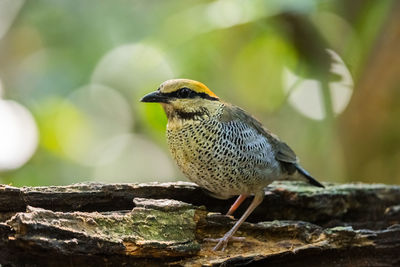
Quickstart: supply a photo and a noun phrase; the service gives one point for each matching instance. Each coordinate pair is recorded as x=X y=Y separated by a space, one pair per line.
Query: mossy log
x=166 y=224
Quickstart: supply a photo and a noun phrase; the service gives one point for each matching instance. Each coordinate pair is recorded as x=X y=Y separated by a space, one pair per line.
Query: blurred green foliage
x=56 y=55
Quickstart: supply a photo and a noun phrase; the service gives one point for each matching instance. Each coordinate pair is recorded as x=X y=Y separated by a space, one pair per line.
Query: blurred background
x=323 y=75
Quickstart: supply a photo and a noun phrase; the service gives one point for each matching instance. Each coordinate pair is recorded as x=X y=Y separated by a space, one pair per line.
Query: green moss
x=149 y=225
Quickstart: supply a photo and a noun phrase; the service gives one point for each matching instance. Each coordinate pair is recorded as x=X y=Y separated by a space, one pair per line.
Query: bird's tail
x=308 y=177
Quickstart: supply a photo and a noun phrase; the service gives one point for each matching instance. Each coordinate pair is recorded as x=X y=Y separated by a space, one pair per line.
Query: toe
x=222 y=242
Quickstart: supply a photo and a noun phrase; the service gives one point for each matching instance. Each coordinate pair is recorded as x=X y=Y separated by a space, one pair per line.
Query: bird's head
x=184 y=99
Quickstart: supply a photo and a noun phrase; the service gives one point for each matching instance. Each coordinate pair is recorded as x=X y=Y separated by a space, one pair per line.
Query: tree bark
x=165 y=224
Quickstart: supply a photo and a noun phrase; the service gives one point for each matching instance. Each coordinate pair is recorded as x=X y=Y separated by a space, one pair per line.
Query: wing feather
x=283 y=152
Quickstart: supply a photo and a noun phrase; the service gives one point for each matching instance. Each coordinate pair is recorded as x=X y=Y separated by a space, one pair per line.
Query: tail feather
x=309 y=178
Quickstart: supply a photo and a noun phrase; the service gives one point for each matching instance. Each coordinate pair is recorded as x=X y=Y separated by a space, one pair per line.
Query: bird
x=222 y=148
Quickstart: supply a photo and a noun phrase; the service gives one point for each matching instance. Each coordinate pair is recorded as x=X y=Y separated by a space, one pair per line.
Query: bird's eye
x=185 y=93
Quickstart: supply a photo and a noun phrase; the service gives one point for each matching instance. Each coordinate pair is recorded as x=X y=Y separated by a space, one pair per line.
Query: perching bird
x=222 y=148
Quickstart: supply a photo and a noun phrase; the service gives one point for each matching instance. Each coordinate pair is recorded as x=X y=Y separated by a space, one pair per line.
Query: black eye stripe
x=185 y=92
x=182 y=93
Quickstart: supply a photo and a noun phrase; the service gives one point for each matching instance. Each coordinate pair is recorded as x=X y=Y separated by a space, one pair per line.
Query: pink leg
x=236 y=205
x=223 y=242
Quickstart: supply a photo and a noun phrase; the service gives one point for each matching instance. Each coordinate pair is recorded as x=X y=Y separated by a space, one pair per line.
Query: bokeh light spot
x=224 y=13
x=134 y=69
x=18 y=135
x=8 y=11
x=133 y=158
x=342 y=90
x=90 y=116
x=305 y=95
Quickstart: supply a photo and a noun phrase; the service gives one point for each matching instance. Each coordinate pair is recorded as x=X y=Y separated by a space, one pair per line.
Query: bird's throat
x=199 y=114
x=185 y=115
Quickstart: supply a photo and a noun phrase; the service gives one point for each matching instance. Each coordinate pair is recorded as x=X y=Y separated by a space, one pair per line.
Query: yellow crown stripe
x=201 y=88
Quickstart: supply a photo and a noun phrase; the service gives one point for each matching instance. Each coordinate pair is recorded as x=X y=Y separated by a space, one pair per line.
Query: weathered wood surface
x=165 y=224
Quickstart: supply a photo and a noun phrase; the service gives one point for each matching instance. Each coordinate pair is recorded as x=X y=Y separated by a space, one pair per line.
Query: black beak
x=155 y=97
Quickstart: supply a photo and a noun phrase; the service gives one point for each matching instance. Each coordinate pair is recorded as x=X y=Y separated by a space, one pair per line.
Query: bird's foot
x=222 y=242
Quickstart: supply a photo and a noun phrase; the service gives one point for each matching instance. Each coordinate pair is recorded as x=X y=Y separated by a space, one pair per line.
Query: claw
x=222 y=242
x=233 y=238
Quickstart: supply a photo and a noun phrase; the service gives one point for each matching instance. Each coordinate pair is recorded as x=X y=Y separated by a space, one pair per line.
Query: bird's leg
x=236 y=205
x=223 y=242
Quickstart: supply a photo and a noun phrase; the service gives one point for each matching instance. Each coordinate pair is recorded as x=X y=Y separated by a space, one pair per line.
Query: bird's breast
x=227 y=158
